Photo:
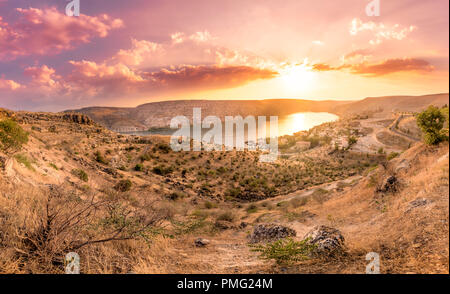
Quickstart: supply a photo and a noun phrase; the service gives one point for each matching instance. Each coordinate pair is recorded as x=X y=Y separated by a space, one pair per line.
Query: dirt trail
x=370 y=142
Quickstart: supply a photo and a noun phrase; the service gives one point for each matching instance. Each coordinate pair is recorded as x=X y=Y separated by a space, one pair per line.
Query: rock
x=77 y=118
x=223 y=225
x=243 y=225
x=389 y=185
x=417 y=203
x=404 y=164
x=2 y=162
x=270 y=232
x=327 y=240
x=200 y=242
x=443 y=158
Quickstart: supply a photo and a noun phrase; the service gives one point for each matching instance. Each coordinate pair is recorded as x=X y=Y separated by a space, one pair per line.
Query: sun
x=297 y=78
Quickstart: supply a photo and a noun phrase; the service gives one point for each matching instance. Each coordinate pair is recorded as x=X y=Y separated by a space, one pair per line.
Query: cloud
x=9 y=85
x=380 y=31
x=139 y=51
x=48 y=31
x=118 y=79
x=198 y=37
x=385 y=67
x=358 y=54
x=42 y=76
x=127 y=73
x=210 y=77
x=391 y=66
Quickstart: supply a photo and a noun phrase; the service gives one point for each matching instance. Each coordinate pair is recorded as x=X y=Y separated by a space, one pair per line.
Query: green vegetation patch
x=12 y=136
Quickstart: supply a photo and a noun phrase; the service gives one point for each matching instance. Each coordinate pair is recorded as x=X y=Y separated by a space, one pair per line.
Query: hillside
x=159 y=114
x=385 y=105
x=131 y=204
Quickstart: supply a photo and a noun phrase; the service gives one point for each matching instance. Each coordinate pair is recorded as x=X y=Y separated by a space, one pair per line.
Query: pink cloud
x=385 y=67
x=210 y=77
x=139 y=51
x=49 y=31
x=9 y=85
x=42 y=76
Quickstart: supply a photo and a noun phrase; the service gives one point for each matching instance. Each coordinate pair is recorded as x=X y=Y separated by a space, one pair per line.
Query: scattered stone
x=270 y=232
x=389 y=185
x=327 y=240
x=200 y=242
x=417 y=203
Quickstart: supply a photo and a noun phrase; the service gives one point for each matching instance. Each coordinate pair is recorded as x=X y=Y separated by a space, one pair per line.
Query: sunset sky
x=125 y=53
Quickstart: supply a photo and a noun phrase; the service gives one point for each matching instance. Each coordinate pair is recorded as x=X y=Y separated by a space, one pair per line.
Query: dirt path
x=370 y=142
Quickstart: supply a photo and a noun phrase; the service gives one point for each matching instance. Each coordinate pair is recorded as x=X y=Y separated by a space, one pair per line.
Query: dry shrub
x=38 y=230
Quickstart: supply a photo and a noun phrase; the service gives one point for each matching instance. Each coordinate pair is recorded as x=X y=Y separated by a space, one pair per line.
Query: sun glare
x=297 y=78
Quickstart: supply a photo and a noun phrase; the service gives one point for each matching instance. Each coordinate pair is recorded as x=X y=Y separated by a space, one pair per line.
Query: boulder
x=389 y=184
x=270 y=232
x=200 y=242
x=417 y=203
x=326 y=239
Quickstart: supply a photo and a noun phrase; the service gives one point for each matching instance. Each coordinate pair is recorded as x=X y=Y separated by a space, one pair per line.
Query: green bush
x=139 y=167
x=209 y=205
x=284 y=251
x=162 y=170
x=12 y=136
x=226 y=216
x=23 y=159
x=81 y=174
x=352 y=140
x=99 y=158
x=123 y=186
x=431 y=121
x=252 y=208
x=392 y=155
x=176 y=196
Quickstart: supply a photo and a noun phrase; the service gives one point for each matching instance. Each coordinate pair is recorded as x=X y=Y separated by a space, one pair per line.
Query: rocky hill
x=159 y=114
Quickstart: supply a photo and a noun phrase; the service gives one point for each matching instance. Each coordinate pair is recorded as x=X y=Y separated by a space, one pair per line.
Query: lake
x=287 y=125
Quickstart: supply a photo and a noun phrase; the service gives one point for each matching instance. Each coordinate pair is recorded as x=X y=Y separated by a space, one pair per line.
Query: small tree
x=12 y=136
x=431 y=121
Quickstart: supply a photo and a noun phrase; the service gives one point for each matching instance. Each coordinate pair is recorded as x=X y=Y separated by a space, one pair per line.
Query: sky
x=126 y=53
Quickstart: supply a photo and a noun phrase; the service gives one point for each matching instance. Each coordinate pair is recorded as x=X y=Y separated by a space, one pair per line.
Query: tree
x=12 y=136
x=431 y=121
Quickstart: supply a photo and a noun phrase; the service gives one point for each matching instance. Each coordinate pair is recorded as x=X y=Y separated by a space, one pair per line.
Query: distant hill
x=393 y=103
x=159 y=114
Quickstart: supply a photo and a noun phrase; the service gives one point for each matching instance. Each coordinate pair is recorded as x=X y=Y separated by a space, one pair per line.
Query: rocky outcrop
x=270 y=232
x=417 y=203
x=327 y=240
x=77 y=118
x=389 y=184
